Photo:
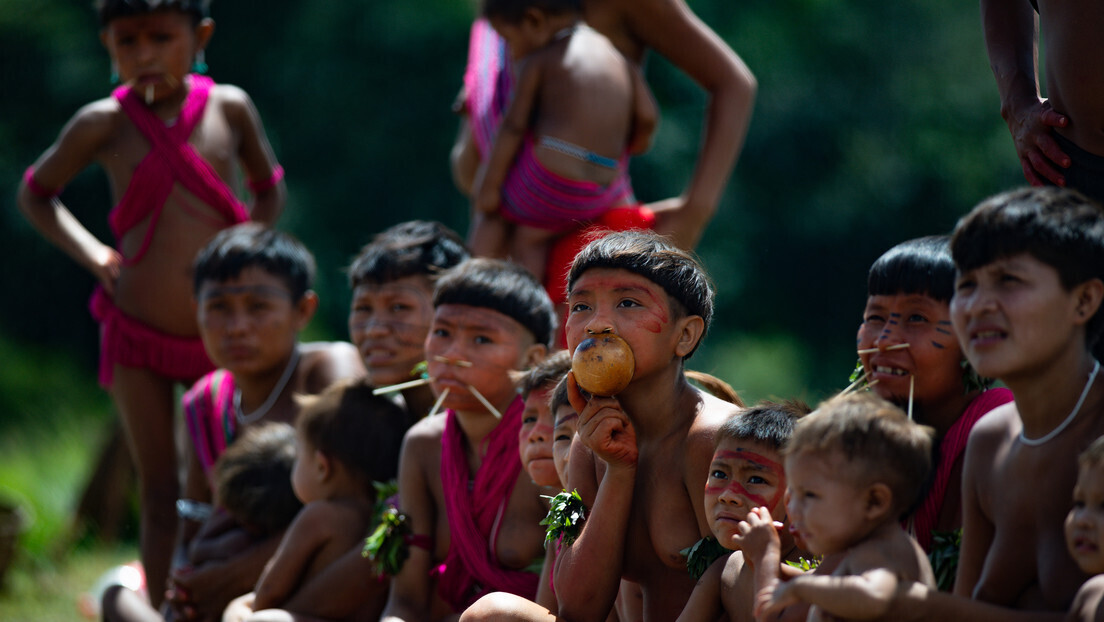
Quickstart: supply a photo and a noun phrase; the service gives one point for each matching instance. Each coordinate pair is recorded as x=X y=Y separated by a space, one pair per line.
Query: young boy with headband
x=169 y=141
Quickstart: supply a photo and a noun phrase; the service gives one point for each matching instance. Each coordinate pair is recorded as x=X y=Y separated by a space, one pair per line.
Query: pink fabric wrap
x=130 y=342
x=171 y=159
x=487 y=83
x=471 y=569
x=209 y=415
x=951 y=449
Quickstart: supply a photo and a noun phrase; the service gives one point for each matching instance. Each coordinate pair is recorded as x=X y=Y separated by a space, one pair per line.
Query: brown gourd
x=603 y=364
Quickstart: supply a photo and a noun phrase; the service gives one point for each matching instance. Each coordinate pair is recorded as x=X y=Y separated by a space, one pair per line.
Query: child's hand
x=105 y=267
x=603 y=426
x=758 y=536
x=772 y=599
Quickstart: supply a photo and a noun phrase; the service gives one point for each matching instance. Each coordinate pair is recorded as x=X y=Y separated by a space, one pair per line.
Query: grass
x=55 y=423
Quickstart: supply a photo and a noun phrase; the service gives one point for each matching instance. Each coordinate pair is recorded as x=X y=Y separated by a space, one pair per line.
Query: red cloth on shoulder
x=474 y=506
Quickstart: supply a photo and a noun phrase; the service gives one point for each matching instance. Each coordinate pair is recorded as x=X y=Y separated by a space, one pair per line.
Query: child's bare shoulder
x=325 y=362
x=710 y=414
x=894 y=551
x=426 y=434
x=96 y=122
x=1088 y=604
x=234 y=103
x=996 y=428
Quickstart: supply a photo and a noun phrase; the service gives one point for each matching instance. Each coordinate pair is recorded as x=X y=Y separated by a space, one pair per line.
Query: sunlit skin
x=521 y=38
x=535 y=439
x=304 y=478
x=388 y=323
x=567 y=421
x=1014 y=318
x=742 y=476
x=250 y=323
x=487 y=339
x=1085 y=521
x=156 y=50
x=932 y=361
x=826 y=511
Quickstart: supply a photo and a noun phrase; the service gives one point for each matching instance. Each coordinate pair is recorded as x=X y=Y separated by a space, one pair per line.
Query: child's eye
x=562 y=437
x=964 y=284
x=755 y=479
x=628 y=303
x=718 y=474
x=917 y=318
x=440 y=332
x=483 y=339
x=579 y=306
x=399 y=307
x=528 y=419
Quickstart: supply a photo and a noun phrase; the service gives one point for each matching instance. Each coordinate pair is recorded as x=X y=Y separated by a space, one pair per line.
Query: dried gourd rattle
x=603 y=364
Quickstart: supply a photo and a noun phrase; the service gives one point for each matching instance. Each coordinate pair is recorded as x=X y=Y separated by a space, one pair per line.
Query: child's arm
x=645 y=113
x=257 y=158
x=545 y=597
x=411 y=593
x=516 y=120
x=588 y=573
x=1010 y=39
x=705 y=601
x=865 y=596
x=672 y=30
x=76 y=147
x=306 y=535
x=762 y=550
x=1088 y=604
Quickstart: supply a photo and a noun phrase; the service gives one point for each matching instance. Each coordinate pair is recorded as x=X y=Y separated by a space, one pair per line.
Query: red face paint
x=735 y=483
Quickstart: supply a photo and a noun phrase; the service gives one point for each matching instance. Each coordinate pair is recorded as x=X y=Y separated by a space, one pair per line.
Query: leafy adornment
x=388 y=546
x=421 y=370
x=858 y=373
x=702 y=554
x=945 y=549
x=805 y=565
x=566 y=515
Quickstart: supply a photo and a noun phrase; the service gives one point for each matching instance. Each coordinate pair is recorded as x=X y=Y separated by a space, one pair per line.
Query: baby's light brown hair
x=876 y=439
x=1093 y=456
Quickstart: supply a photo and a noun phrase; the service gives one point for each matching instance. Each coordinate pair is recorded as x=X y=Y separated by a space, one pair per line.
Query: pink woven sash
x=471 y=569
x=487 y=83
x=209 y=414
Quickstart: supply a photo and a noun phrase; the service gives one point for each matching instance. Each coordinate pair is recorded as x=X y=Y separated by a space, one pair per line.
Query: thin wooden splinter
x=437 y=404
x=171 y=81
x=400 y=386
x=912 y=385
x=490 y=407
x=149 y=94
x=456 y=362
x=852 y=386
x=900 y=346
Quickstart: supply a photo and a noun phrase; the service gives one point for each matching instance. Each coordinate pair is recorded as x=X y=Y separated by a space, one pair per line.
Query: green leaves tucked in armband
x=566 y=515
x=805 y=565
x=945 y=549
x=388 y=546
x=702 y=554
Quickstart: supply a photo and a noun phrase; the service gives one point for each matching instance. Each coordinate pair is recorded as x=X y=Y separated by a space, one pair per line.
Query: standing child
x=347 y=439
x=560 y=156
x=1085 y=533
x=473 y=512
x=854 y=467
x=168 y=140
x=746 y=473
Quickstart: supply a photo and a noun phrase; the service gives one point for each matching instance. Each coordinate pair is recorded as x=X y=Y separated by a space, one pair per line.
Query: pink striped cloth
x=487 y=83
x=951 y=449
x=209 y=415
x=471 y=568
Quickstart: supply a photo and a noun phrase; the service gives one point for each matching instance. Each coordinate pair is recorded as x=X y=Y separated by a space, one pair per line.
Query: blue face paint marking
x=938 y=345
x=944 y=331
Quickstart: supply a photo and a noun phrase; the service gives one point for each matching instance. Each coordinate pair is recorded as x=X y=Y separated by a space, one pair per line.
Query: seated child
x=643 y=456
x=746 y=473
x=392 y=290
x=473 y=512
x=347 y=439
x=854 y=467
x=565 y=423
x=535 y=437
x=561 y=153
x=1026 y=310
x=1085 y=533
x=253 y=486
x=909 y=352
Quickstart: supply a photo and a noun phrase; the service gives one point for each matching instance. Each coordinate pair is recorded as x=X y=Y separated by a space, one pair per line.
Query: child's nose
x=728 y=495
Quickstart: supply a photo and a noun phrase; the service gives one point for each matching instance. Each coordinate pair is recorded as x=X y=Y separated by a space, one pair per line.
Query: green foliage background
x=875 y=122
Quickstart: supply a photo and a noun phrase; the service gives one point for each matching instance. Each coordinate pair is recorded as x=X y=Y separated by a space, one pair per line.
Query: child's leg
x=145 y=403
x=529 y=247
x=489 y=235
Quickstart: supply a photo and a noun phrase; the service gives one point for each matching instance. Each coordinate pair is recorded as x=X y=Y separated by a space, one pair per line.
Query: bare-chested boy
x=1030 y=266
x=1060 y=139
x=643 y=456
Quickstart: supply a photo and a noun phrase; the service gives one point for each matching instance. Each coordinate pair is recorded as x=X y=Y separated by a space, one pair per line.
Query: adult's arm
x=1011 y=39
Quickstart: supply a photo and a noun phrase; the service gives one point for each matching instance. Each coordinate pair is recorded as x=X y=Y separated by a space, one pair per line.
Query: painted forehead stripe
x=232 y=290
x=749 y=456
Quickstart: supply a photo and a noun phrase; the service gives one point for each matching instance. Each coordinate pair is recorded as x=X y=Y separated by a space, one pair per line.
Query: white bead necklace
x=273 y=395
x=1035 y=442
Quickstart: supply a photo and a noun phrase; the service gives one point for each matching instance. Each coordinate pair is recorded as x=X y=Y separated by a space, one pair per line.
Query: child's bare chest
x=663 y=522
x=213 y=139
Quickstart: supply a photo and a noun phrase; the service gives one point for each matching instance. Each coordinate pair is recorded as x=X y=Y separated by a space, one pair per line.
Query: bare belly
x=1074 y=53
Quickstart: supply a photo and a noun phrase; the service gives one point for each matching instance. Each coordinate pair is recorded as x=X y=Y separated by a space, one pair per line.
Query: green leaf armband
x=702 y=554
x=389 y=545
x=566 y=515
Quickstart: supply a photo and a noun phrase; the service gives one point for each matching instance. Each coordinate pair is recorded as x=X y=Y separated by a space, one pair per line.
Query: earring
x=114 y=73
x=200 y=64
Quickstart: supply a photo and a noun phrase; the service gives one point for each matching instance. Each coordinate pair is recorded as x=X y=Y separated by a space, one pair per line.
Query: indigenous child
x=854 y=467
x=460 y=479
x=1026 y=311
x=1085 y=533
x=347 y=439
x=560 y=156
x=392 y=284
x=565 y=424
x=535 y=438
x=643 y=456
x=671 y=29
x=168 y=140
x=746 y=473
x=253 y=486
x=910 y=356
